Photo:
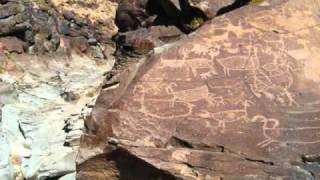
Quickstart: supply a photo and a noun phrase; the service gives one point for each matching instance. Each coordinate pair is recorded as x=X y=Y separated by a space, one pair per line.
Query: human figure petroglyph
x=241 y=63
x=275 y=134
x=228 y=116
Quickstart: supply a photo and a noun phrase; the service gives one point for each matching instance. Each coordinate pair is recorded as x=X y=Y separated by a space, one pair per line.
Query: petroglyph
x=245 y=82
x=189 y=95
x=228 y=116
x=165 y=104
x=283 y=135
x=193 y=65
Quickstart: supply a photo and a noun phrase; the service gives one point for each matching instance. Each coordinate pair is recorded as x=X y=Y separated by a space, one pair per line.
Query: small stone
x=29 y=36
x=92 y=42
x=113 y=141
x=97 y=52
x=80 y=43
x=69 y=96
x=12 y=44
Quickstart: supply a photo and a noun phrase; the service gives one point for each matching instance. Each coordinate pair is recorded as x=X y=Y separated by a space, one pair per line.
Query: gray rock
x=71 y=176
x=92 y=41
x=39 y=129
x=97 y=52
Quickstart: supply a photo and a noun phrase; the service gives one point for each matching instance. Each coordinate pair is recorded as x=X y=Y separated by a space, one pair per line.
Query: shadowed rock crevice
x=183 y=15
x=131 y=167
x=237 y=4
x=121 y=164
x=146 y=24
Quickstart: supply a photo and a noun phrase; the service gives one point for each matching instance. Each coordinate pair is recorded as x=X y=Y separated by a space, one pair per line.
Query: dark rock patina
x=13 y=17
x=237 y=99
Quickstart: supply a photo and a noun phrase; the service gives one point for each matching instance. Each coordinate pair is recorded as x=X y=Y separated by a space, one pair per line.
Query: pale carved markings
x=147 y=102
x=241 y=63
x=193 y=65
x=179 y=97
x=236 y=64
x=271 y=78
x=262 y=84
x=228 y=116
x=193 y=95
x=273 y=133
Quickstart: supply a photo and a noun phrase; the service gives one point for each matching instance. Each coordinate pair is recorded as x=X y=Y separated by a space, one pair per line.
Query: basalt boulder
x=237 y=99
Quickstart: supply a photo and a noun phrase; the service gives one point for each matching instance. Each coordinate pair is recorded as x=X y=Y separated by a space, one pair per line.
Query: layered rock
x=45 y=98
x=144 y=25
x=45 y=101
x=237 y=99
x=13 y=17
x=48 y=26
x=93 y=19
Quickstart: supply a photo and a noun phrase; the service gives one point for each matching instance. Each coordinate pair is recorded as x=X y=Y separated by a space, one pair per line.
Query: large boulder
x=237 y=99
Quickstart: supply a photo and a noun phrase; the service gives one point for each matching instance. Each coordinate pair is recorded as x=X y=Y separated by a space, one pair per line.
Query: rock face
x=44 y=99
x=44 y=102
x=237 y=99
x=91 y=18
x=144 y=25
x=13 y=17
x=45 y=26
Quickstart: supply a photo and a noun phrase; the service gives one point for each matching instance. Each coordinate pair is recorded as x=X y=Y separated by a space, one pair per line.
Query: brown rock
x=1 y=47
x=143 y=40
x=80 y=44
x=13 y=17
x=238 y=99
x=12 y=44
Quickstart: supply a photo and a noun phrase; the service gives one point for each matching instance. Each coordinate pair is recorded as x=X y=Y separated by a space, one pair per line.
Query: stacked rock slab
x=144 y=25
x=13 y=16
x=237 y=99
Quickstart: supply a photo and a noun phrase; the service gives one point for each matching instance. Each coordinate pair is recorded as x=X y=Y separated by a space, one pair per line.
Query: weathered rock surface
x=13 y=17
x=44 y=102
x=237 y=99
x=144 y=40
x=92 y=18
x=184 y=14
x=43 y=25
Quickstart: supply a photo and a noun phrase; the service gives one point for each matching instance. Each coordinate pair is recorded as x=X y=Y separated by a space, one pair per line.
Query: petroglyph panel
x=247 y=82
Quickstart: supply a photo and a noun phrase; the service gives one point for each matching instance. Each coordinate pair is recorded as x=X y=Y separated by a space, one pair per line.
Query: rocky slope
x=236 y=99
x=52 y=63
x=232 y=98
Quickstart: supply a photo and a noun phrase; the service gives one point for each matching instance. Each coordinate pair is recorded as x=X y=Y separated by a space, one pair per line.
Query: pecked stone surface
x=44 y=101
x=237 y=99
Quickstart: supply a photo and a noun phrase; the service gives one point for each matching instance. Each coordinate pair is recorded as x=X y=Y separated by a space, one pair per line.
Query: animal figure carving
x=295 y=135
x=193 y=65
x=237 y=64
x=192 y=95
x=147 y=102
x=228 y=116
